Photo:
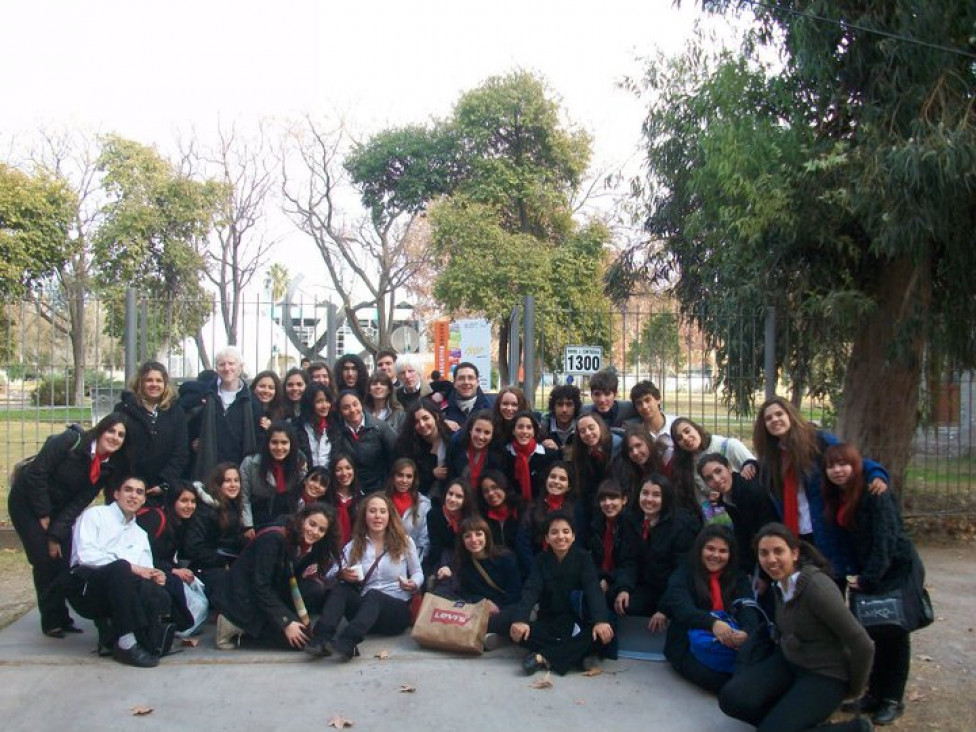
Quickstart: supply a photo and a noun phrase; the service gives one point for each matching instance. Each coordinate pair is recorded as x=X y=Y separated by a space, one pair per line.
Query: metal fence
x=38 y=375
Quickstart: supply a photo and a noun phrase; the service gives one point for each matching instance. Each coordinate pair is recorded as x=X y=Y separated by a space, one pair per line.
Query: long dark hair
x=228 y=509
x=362 y=375
x=512 y=498
x=683 y=462
x=588 y=471
x=729 y=577
x=292 y=464
x=121 y=459
x=325 y=552
x=412 y=445
x=475 y=523
x=308 y=405
x=333 y=483
x=414 y=491
x=631 y=475
x=800 y=444
x=809 y=554
x=275 y=409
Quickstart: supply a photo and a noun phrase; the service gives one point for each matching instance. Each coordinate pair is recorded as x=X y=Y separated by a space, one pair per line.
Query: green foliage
x=658 y=344
x=35 y=215
x=153 y=231
x=54 y=389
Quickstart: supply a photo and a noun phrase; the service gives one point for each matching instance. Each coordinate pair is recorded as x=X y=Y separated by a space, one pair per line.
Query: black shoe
x=888 y=711
x=342 y=652
x=534 y=662
x=318 y=647
x=54 y=632
x=70 y=627
x=867 y=704
x=164 y=640
x=135 y=656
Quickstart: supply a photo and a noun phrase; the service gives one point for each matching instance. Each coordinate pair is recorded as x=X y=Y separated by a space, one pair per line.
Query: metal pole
x=528 y=338
x=513 y=350
x=144 y=330
x=130 y=333
x=769 y=364
x=331 y=322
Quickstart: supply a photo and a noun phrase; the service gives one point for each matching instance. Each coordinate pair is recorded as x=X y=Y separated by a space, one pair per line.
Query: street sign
x=582 y=360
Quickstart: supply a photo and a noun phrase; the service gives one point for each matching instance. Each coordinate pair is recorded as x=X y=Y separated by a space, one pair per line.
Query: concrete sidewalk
x=49 y=684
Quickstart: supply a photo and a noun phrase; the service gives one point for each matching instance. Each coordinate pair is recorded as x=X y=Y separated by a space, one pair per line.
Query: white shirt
x=102 y=535
x=388 y=571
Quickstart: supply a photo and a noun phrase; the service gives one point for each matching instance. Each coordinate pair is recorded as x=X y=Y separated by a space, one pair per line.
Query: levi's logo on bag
x=451 y=617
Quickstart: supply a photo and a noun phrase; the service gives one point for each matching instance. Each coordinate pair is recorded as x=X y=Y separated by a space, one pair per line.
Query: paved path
x=48 y=684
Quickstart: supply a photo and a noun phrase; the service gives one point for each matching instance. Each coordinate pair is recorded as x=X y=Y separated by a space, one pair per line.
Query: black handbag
x=908 y=607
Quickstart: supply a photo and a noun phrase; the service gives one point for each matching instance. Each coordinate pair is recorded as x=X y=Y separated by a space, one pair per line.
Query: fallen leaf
x=340 y=722
x=925 y=658
x=407 y=688
x=580 y=702
x=595 y=671
x=916 y=696
x=543 y=683
x=382 y=655
x=191 y=642
x=141 y=711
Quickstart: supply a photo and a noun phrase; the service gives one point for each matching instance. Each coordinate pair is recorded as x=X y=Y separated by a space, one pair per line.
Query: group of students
x=342 y=494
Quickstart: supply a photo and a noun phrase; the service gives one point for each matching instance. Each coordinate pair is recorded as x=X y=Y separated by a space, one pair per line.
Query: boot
x=228 y=634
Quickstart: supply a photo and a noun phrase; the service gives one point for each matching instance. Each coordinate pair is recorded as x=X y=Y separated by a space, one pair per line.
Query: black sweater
x=160 y=448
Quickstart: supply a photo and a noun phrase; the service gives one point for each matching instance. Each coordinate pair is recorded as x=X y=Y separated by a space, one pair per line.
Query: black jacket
x=225 y=434
x=883 y=551
x=56 y=482
x=372 y=452
x=206 y=545
x=750 y=508
x=649 y=563
x=160 y=448
x=503 y=571
x=551 y=584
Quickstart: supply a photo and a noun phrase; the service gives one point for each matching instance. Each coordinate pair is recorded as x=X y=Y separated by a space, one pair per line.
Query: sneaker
x=228 y=635
x=318 y=647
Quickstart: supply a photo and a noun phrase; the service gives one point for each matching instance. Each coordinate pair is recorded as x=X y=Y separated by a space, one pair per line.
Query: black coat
x=687 y=610
x=229 y=434
x=160 y=448
x=551 y=584
x=620 y=541
x=56 y=483
x=883 y=551
x=457 y=459
x=206 y=545
x=165 y=536
x=649 y=563
x=750 y=508
x=372 y=453
x=503 y=571
x=539 y=463
x=443 y=541
x=255 y=593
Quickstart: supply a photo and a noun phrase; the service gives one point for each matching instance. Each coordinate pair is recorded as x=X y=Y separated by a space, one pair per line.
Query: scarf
x=597 y=454
x=95 y=469
x=345 y=525
x=403 y=502
x=608 y=533
x=715 y=590
x=475 y=463
x=522 y=475
x=554 y=503
x=322 y=425
x=453 y=519
x=647 y=526
x=844 y=517
x=791 y=508
x=500 y=514
x=278 y=473
x=465 y=405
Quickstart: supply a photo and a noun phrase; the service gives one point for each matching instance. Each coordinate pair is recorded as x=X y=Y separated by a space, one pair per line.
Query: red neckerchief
x=403 y=502
x=646 y=529
x=597 y=454
x=453 y=520
x=304 y=548
x=522 y=475
x=844 y=517
x=607 y=566
x=323 y=423
x=791 y=507
x=278 y=472
x=95 y=469
x=343 y=505
x=476 y=461
x=715 y=590
x=500 y=514
x=354 y=432
x=554 y=503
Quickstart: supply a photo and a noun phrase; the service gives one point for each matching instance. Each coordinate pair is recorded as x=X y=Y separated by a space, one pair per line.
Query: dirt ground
x=941 y=690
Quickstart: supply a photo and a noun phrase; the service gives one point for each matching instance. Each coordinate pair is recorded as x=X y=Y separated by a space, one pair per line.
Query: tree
x=152 y=230
x=367 y=257
x=239 y=244
x=499 y=176
x=276 y=281
x=658 y=345
x=838 y=186
x=35 y=214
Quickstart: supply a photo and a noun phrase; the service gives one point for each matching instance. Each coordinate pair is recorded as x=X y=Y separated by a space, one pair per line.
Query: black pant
x=373 y=611
x=698 y=673
x=554 y=639
x=133 y=604
x=892 y=657
x=49 y=574
x=776 y=696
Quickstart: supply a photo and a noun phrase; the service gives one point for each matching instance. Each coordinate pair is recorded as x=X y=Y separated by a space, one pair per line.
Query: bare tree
x=369 y=258
x=240 y=243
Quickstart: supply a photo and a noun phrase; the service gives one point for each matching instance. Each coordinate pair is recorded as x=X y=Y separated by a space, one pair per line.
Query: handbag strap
x=485 y=577
x=372 y=567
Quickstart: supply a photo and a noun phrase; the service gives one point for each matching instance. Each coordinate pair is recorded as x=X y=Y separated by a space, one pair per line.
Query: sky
x=149 y=69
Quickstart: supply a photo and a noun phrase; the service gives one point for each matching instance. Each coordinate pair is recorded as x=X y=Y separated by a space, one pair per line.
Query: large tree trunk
x=881 y=388
x=76 y=310
x=504 y=335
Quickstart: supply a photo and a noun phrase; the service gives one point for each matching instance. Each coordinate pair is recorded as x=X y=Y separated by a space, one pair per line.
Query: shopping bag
x=451 y=625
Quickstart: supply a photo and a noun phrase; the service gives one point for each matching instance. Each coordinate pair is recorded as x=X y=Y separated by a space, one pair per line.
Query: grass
x=58 y=415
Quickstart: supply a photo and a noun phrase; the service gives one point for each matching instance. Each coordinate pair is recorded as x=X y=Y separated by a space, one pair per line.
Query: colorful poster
x=442 y=344
x=474 y=346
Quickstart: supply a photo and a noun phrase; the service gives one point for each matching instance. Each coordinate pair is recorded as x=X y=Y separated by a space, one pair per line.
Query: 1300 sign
x=582 y=359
